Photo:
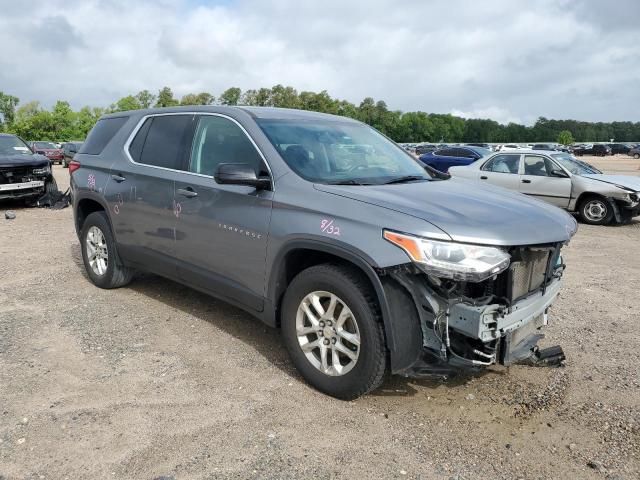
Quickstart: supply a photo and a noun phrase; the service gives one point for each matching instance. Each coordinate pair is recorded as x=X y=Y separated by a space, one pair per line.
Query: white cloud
x=509 y=61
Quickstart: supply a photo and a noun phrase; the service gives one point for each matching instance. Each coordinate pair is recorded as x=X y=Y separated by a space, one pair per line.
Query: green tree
x=8 y=105
x=202 y=98
x=230 y=96
x=165 y=98
x=565 y=138
x=145 y=98
x=126 y=103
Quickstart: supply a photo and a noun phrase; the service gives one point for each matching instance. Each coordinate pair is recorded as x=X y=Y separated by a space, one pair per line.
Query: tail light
x=73 y=166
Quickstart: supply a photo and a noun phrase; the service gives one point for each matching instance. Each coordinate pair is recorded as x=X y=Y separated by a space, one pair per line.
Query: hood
x=627 y=181
x=33 y=160
x=469 y=211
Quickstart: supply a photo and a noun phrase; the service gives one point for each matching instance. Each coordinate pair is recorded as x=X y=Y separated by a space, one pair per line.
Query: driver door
x=538 y=181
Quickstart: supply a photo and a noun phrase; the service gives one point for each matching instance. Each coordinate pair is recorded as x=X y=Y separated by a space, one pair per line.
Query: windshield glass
x=13 y=146
x=336 y=152
x=45 y=145
x=576 y=167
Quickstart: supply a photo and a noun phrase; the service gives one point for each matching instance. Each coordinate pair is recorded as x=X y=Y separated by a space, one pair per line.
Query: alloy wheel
x=97 y=252
x=328 y=333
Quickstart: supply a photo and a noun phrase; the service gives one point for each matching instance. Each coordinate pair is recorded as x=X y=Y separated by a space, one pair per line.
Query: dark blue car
x=447 y=157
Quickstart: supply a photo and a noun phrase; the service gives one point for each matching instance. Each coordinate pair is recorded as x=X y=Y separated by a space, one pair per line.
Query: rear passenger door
x=222 y=230
x=502 y=170
x=140 y=192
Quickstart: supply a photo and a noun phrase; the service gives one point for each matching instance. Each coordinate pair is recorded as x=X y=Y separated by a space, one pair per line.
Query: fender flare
x=93 y=196
x=392 y=326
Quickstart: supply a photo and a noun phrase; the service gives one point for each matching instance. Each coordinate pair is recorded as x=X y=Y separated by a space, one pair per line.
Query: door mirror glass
x=240 y=174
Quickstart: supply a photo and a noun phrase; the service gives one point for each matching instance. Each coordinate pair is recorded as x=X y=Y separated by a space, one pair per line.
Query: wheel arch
x=298 y=255
x=85 y=206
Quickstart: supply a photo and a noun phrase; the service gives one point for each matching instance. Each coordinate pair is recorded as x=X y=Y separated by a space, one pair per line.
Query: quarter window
x=160 y=141
x=503 y=164
x=219 y=140
x=101 y=134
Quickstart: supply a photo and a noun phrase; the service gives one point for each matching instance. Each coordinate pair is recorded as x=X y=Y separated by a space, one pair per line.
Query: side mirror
x=559 y=173
x=240 y=174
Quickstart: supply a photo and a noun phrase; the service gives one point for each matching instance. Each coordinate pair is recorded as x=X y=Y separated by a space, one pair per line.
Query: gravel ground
x=158 y=381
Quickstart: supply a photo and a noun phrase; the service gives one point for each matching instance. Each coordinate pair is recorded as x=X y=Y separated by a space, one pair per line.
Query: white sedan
x=562 y=180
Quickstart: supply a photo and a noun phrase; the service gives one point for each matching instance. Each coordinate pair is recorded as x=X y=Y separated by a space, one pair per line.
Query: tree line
x=61 y=123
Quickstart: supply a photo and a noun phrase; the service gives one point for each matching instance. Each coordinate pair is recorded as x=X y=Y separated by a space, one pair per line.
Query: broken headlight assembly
x=457 y=261
x=42 y=171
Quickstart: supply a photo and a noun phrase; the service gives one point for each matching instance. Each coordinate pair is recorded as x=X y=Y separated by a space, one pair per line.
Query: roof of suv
x=256 y=112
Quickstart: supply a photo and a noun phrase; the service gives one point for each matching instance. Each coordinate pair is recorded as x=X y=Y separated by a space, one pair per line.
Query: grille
x=527 y=274
x=15 y=174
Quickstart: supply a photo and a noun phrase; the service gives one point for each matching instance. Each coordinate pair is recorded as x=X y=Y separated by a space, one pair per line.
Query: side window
x=160 y=141
x=536 y=166
x=463 y=152
x=101 y=134
x=219 y=140
x=503 y=164
x=445 y=152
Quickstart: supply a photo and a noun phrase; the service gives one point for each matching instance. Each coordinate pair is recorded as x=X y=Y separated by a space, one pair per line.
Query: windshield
x=336 y=152
x=577 y=167
x=44 y=145
x=10 y=145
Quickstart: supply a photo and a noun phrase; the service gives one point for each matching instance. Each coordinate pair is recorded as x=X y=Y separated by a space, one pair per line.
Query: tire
x=113 y=274
x=595 y=210
x=351 y=289
x=51 y=187
x=636 y=156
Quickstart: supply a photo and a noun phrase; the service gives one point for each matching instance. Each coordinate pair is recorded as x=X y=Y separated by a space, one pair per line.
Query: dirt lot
x=157 y=380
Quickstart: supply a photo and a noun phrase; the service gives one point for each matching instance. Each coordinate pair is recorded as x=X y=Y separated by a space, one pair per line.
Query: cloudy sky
x=506 y=60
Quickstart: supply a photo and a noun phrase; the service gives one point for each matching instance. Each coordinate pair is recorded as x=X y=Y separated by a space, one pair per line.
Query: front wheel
x=332 y=329
x=596 y=211
x=636 y=156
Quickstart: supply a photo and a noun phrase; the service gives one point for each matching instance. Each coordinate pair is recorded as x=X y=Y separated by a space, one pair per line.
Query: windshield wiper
x=407 y=178
x=347 y=182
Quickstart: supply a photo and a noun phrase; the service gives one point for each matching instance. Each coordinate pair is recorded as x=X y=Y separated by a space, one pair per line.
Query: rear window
x=102 y=134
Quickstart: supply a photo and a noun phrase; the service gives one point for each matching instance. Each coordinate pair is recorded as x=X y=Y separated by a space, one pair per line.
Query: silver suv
x=321 y=226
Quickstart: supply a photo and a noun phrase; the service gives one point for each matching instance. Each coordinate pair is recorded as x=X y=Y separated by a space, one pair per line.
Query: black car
x=543 y=146
x=23 y=173
x=69 y=149
x=599 y=150
x=422 y=149
x=619 y=148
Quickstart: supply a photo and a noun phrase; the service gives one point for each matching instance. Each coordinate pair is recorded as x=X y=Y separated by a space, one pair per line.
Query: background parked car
x=599 y=150
x=69 y=149
x=426 y=148
x=49 y=150
x=444 y=158
x=544 y=146
x=635 y=152
x=558 y=178
x=619 y=148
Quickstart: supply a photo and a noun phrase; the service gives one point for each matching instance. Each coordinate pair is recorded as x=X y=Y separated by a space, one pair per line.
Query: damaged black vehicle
x=23 y=174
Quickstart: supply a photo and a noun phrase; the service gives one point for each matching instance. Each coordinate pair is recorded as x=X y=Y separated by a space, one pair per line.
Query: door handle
x=187 y=192
x=483 y=177
x=526 y=181
x=118 y=178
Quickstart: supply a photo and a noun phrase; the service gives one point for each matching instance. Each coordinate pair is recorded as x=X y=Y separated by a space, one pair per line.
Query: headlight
x=42 y=171
x=459 y=261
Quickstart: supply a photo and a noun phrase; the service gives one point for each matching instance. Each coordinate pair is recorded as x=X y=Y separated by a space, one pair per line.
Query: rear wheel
x=332 y=329
x=99 y=253
x=596 y=211
x=636 y=156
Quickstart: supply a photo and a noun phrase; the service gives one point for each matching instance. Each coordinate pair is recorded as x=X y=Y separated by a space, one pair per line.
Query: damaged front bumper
x=471 y=326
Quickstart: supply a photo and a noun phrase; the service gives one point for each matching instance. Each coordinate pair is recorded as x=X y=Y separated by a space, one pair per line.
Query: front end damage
x=24 y=181
x=471 y=325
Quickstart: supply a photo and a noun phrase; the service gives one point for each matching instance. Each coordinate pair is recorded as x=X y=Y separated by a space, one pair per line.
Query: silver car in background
x=562 y=180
